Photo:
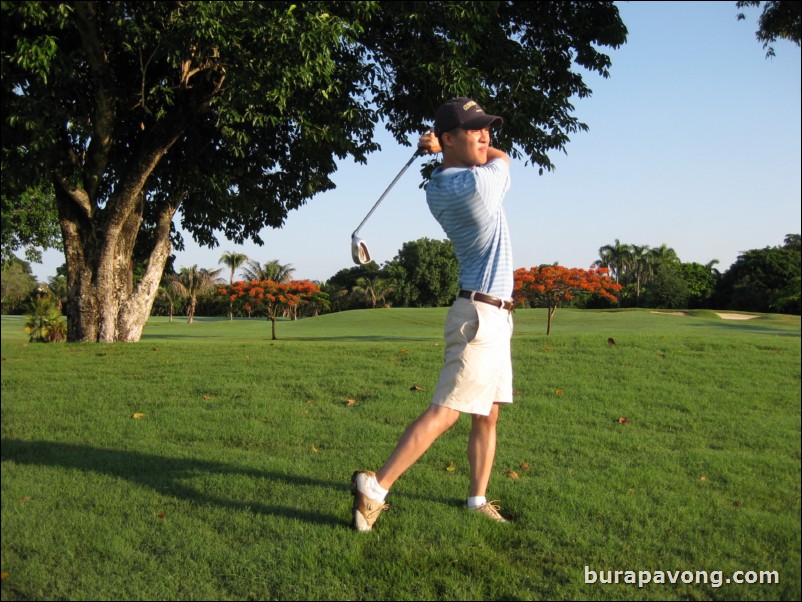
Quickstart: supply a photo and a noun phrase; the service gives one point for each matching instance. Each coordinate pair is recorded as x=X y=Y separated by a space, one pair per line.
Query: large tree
x=231 y=114
x=425 y=273
x=764 y=280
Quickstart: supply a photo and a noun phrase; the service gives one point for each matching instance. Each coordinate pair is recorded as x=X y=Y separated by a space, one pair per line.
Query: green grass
x=234 y=485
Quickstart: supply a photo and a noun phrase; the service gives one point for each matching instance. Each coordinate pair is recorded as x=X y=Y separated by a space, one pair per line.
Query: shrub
x=45 y=323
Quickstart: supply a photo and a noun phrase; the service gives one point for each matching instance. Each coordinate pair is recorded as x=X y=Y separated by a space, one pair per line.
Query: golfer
x=465 y=195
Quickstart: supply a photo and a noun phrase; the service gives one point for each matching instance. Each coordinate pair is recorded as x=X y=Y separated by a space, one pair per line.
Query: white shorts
x=478 y=369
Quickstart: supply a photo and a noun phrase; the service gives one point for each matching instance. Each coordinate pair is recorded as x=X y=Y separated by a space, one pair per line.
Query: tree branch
x=103 y=123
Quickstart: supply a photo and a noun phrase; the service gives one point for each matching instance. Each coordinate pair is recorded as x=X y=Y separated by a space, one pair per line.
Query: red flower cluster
x=549 y=286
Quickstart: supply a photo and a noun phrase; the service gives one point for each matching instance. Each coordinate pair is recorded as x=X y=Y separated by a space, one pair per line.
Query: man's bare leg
x=418 y=437
x=482 y=450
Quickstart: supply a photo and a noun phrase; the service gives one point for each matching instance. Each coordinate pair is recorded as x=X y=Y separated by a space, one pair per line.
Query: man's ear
x=446 y=139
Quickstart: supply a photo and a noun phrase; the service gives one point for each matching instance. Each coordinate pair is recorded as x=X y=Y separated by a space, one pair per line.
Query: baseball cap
x=462 y=112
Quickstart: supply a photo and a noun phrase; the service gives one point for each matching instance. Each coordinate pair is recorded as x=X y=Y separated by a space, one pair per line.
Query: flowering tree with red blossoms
x=551 y=285
x=274 y=298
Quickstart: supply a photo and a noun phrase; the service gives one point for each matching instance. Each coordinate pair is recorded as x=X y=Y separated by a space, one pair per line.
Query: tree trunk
x=191 y=310
x=550 y=311
x=103 y=305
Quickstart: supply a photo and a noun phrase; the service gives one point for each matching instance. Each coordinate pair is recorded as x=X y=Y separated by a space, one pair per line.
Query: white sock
x=375 y=491
x=475 y=502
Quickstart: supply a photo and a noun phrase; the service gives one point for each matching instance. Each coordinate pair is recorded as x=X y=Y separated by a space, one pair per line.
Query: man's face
x=466 y=148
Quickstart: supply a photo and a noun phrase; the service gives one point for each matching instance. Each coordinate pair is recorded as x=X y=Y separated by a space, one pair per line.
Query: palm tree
x=272 y=270
x=663 y=255
x=57 y=285
x=233 y=261
x=168 y=293
x=45 y=323
x=375 y=290
x=192 y=281
x=616 y=257
x=641 y=267
x=710 y=267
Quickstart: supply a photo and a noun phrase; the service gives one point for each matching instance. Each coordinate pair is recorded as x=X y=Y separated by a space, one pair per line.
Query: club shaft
x=384 y=194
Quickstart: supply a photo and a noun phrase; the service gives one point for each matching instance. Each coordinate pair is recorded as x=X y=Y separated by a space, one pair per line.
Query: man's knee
x=488 y=421
x=441 y=416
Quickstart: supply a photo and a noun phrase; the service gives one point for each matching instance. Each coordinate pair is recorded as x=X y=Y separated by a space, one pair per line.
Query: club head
x=359 y=251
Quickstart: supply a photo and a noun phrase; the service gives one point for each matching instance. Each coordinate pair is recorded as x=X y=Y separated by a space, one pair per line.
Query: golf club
x=359 y=249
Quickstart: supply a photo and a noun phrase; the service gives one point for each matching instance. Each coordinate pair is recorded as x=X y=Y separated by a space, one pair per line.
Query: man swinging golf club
x=465 y=195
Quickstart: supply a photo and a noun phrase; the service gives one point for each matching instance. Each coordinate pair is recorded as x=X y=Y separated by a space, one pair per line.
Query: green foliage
x=779 y=20
x=700 y=283
x=425 y=273
x=30 y=222
x=763 y=279
x=343 y=286
x=667 y=290
x=45 y=324
x=17 y=284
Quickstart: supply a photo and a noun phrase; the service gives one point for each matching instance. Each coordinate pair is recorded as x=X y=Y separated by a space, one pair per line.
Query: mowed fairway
x=639 y=444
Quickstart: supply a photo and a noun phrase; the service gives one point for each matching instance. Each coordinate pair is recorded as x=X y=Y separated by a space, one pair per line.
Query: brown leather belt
x=483 y=298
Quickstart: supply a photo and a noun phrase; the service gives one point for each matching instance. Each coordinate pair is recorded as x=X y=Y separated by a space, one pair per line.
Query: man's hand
x=429 y=144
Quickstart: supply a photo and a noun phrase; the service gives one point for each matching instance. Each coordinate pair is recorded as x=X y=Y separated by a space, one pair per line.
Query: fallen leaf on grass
x=137 y=415
x=207 y=397
x=314 y=448
x=162 y=515
x=623 y=420
x=24 y=499
x=703 y=478
x=512 y=474
x=3 y=576
x=416 y=388
x=736 y=504
x=350 y=402
x=611 y=341
x=451 y=467
x=559 y=392
x=525 y=466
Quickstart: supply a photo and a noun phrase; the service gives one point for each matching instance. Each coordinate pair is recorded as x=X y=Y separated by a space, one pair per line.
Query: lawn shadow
x=168 y=475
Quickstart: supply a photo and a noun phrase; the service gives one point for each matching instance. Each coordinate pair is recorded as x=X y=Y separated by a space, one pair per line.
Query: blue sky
x=694 y=142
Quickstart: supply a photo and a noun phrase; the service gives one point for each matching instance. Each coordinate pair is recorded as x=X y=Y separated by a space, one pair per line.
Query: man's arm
x=494 y=153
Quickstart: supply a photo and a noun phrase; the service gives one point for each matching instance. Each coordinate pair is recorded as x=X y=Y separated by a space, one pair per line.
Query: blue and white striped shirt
x=467 y=202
